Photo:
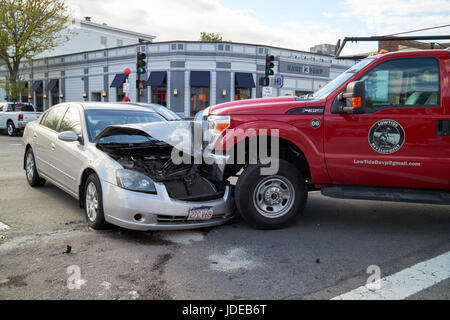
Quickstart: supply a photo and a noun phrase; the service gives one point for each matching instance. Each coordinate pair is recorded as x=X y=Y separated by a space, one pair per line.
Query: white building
x=88 y=36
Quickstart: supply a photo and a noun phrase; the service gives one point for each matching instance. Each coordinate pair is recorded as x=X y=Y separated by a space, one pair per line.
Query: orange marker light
x=222 y=126
x=356 y=102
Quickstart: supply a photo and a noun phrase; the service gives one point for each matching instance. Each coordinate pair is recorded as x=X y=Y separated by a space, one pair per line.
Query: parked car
x=115 y=158
x=14 y=116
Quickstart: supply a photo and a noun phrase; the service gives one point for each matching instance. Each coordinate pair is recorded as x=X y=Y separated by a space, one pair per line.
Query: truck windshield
x=336 y=83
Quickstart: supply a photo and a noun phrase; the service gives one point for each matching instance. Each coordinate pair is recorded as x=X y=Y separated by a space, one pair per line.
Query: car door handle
x=52 y=146
x=35 y=135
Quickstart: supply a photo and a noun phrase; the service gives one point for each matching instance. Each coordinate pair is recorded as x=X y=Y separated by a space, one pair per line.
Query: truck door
x=395 y=143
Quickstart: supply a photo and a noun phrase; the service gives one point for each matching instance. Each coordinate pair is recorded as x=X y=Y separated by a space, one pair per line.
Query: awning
x=36 y=85
x=118 y=80
x=200 y=79
x=157 y=78
x=244 y=80
x=52 y=84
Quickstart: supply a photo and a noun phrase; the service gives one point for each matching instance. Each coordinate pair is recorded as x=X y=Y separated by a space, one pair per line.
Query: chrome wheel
x=91 y=202
x=29 y=166
x=274 y=196
x=10 y=129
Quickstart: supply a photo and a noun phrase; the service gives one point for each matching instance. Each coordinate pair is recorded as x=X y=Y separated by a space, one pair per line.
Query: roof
x=104 y=26
x=114 y=105
x=414 y=53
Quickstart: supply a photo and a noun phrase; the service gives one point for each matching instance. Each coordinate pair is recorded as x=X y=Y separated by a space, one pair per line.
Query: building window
x=242 y=93
x=119 y=93
x=96 y=96
x=103 y=41
x=159 y=95
x=199 y=99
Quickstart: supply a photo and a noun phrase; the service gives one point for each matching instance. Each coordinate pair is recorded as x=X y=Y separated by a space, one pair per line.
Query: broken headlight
x=134 y=181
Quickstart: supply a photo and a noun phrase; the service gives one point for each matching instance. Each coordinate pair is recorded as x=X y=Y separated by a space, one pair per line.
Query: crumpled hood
x=179 y=134
x=277 y=105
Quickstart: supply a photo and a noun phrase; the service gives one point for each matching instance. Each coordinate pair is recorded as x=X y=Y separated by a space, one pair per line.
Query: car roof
x=114 y=105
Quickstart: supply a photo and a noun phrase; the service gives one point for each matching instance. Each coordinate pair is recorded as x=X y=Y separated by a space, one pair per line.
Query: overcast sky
x=292 y=24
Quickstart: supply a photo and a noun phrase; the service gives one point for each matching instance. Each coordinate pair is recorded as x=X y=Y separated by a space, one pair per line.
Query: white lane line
x=405 y=283
x=14 y=144
x=4 y=227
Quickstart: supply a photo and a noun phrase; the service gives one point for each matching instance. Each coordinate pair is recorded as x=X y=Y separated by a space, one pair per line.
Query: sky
x=294 y=24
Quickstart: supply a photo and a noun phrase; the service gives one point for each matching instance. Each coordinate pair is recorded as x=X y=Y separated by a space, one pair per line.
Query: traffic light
x=141 y=84
x=140 y=65
x=269 y=65
x=265 y=81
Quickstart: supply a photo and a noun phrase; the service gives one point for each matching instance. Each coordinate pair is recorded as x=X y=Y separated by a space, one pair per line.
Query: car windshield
x=98 y=120
x=341 y=79
x=166 y=113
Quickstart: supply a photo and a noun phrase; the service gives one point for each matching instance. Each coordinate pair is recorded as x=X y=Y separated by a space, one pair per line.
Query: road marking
x=14 y=144
x=4 y=227
x=406 y=282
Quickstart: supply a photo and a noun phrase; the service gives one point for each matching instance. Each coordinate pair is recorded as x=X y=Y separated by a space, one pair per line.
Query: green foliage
x=212 y=37
x=28 y=28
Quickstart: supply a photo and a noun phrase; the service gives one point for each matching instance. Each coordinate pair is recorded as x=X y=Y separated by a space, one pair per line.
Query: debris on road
x=68 y=249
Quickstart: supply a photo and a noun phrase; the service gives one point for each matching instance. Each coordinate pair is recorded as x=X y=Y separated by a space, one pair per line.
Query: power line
x=424 y=29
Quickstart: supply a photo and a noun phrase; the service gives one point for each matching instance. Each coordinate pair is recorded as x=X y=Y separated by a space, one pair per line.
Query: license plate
x=200 y=214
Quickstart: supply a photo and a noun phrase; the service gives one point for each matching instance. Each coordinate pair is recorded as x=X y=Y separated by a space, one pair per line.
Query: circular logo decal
x=315 y=123
x=386 y=136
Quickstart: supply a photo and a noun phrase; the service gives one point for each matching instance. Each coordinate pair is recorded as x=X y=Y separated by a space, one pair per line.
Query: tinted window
x=71 y=121
x=403 y=82
x=97 y=120
x=53 y=117
x=15 y=107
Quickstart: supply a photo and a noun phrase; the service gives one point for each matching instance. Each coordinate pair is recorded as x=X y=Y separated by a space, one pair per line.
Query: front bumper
x=159 y=211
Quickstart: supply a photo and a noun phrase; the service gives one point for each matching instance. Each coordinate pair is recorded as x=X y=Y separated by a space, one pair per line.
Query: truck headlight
x=134 y=181
x=216 y=126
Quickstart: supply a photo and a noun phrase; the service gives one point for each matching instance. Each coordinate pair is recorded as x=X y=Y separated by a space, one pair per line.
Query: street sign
x=267 y=92
x=126 y=87
x=278 y=81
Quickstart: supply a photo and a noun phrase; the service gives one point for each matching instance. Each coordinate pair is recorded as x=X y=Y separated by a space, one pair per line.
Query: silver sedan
x=116 y=160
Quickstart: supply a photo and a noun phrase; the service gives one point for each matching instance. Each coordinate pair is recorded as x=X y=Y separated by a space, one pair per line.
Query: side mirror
x=355 y=97
x=69 y=136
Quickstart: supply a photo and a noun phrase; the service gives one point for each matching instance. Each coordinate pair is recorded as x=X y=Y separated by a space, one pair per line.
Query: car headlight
x=134 y=181
x=216 y=126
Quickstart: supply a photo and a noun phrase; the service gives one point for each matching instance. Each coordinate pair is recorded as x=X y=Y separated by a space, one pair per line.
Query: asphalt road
x=324 y=254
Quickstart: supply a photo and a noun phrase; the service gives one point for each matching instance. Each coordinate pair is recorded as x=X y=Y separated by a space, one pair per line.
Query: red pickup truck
x=379 y=131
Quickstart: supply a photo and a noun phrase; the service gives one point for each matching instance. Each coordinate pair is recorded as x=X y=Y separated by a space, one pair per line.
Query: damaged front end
x=167 y=152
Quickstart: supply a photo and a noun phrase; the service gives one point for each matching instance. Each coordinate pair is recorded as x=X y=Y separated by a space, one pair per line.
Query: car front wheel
x=271 y=201
x=93 y=203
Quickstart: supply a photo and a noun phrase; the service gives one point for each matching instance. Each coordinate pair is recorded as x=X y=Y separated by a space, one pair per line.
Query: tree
x=212 y=37
x=28 y=28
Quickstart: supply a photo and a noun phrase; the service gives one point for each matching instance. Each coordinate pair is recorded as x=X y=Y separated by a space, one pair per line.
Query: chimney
x=87 y=18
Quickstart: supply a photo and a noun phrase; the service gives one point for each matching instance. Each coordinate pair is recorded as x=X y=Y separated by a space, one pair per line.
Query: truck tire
x=93 y=203
x=11 y=128
x=30 y=170
x=271 y=202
